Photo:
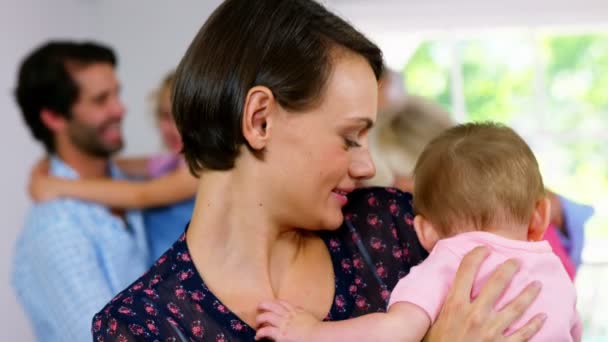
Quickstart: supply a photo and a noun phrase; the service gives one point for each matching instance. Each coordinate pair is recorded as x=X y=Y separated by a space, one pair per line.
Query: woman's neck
x=245 y=255
x=232 y=230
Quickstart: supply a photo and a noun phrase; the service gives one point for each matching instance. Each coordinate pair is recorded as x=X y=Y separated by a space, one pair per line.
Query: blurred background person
x=72 y=256
x=568 y=219
x=400 y=137
x=167 y=194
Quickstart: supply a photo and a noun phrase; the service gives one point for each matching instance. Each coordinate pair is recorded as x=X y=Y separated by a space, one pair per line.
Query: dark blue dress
x=373 y=249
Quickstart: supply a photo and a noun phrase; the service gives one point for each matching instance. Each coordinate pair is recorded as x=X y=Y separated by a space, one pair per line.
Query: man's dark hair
x=44 y=82
x=285 y=45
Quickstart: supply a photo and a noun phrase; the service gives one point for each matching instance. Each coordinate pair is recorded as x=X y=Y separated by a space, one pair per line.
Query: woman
x=274 y=100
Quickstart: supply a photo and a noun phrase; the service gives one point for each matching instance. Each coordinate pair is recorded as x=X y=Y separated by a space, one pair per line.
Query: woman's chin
x=328 y=220
x=334 y=221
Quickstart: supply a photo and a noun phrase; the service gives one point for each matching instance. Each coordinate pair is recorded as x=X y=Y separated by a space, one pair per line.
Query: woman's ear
x=426 y=232
x=257 y=117
x=540 y=219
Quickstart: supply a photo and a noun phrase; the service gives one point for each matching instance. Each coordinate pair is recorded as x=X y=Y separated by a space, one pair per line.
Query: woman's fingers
x=518 y=306
x=528 y=331
x=496 y=284
x=465 y=276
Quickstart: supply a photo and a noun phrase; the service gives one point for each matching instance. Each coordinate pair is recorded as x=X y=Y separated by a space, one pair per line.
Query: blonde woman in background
x=166 y=192
x=401 y=136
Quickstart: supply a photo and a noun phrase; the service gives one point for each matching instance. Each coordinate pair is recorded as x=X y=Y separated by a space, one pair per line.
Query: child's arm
x=280 y=321
x=134 y=166
x=171 y=188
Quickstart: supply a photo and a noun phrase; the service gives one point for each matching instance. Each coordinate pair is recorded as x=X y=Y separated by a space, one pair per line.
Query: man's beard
x=87 y=138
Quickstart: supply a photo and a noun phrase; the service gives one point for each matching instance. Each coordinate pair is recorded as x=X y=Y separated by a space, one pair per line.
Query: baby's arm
x=280 y=321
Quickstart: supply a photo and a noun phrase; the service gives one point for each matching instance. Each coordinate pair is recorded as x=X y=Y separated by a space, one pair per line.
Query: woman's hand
x=41 y=187
x=463 y=319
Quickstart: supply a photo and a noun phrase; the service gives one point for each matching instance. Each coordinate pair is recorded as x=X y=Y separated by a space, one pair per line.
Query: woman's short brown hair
x=475 y=176
x=285 y=45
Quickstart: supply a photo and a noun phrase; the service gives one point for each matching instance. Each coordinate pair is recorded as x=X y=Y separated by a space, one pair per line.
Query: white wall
x=24 y=24
x=150 y=38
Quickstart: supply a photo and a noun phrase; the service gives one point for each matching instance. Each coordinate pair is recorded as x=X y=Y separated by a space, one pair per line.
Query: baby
x=475 y=184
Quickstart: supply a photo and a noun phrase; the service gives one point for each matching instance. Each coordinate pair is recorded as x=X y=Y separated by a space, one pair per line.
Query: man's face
x=95 y=124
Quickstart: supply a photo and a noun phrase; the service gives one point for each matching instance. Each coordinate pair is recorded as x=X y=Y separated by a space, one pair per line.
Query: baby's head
x=478 y=177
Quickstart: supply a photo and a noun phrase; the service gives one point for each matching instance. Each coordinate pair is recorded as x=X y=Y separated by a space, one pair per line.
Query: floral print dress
x=373 y=249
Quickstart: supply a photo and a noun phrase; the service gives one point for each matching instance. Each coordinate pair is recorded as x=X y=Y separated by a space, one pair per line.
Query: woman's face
x=316 y=157
x=166 y=125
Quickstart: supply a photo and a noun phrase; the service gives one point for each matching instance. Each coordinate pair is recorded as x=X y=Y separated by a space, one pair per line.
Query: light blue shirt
x=71 y=258
x=165 y=225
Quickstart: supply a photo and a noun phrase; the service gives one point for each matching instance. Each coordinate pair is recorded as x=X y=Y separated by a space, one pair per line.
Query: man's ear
x=53 y=120
x=257 y=117
x=540 y=219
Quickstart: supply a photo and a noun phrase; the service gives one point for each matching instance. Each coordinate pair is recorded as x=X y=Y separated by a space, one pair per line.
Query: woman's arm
x=134 y=167
x=171 y=188
x=463 y=319
x=281 y=322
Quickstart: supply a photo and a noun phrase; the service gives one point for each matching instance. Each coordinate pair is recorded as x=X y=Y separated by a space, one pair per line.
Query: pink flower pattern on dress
x=171 y=301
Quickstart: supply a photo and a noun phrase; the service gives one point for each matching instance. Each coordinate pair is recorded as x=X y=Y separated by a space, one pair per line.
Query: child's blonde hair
x=165 y=85
x=476 y=176
x=399 y=138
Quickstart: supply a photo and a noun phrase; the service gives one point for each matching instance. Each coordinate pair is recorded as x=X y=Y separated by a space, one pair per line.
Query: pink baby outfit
x=428 y=283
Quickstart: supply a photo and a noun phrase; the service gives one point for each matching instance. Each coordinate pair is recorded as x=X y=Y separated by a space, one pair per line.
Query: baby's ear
x=539 y=220
x=426 y=232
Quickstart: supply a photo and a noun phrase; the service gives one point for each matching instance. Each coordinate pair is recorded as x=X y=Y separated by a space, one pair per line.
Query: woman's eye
x=349 y=143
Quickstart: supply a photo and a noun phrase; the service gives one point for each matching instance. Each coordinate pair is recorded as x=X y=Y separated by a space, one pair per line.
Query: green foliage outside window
x=562 y=112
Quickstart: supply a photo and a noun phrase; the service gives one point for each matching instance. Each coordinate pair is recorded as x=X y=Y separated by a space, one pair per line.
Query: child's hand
x=280 y=321
x=40 y=186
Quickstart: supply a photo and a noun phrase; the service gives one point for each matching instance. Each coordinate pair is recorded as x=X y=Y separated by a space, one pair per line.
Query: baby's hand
x=280 y=321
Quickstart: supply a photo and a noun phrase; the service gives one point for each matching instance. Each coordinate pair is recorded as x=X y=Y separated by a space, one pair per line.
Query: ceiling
x=408 y=15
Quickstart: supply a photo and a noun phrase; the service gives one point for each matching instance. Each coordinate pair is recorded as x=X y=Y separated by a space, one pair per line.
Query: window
x=552 y=87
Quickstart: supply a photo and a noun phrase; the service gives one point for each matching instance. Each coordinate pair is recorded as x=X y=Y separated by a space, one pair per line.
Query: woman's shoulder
x=378 y=199
x=378 y=226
